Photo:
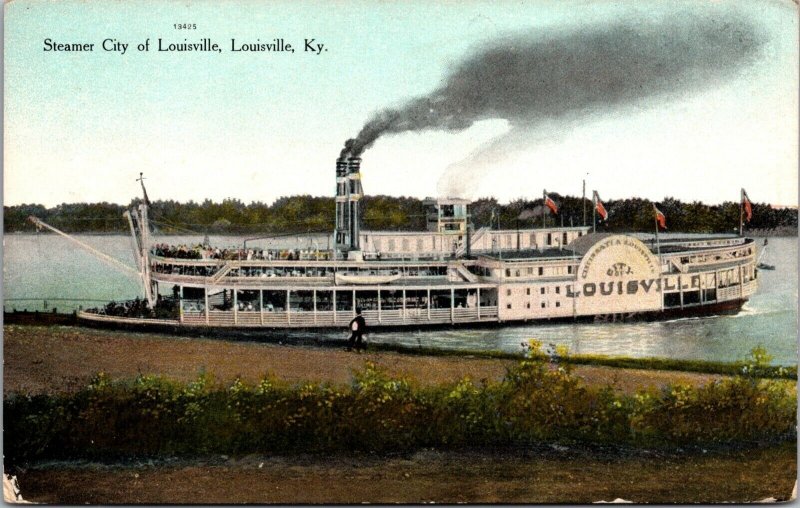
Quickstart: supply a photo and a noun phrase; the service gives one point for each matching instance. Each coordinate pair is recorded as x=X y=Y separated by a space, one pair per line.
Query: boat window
x=542 y=290
x=541 y=270
x=691 y=297
x=672 y=299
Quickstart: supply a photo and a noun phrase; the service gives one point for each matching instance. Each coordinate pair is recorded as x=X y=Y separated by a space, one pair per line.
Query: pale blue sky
x=256 y=126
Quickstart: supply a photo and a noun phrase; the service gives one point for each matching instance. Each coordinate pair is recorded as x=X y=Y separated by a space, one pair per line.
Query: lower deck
x=226 y=322
x=334 y=308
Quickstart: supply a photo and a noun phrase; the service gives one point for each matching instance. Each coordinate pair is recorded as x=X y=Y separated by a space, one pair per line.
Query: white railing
x=298 y=318
x=729 y=293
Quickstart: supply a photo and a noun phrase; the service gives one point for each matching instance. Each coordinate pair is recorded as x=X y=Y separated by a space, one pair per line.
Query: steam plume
x=559 y=76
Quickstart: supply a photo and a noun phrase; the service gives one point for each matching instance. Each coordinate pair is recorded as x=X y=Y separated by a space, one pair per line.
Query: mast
x=583 y=202
x=137 y=254
x=144 y=250
x=594 y=211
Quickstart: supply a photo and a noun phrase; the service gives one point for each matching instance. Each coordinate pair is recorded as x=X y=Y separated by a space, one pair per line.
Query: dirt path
x=57 y=359
x=533 y=476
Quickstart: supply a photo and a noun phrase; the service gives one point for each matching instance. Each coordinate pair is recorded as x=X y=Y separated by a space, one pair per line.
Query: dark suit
x=356 y=338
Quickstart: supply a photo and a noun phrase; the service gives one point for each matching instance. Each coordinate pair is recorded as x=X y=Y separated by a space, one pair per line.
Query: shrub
x=535 y=402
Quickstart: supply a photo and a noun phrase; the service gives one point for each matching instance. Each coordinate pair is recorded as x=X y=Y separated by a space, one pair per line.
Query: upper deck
x=262 y=268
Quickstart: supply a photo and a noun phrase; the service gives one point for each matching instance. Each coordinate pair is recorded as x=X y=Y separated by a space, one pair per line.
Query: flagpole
x=544 y=205
x=594 y=211
x=741 y=210
x=658 y=245
x=584 y=202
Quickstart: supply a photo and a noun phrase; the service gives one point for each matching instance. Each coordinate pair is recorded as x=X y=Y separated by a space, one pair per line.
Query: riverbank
x=63 y=360
x=59 y=359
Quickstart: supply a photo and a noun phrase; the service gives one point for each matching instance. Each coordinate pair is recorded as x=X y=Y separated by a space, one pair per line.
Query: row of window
x=551 y=239
x=542 y=290
x=405 y=244
x=528 y=305
x=702 y=258
x=556 y=270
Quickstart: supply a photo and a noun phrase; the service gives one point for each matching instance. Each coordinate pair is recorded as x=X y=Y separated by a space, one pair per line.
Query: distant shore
x=771 y=233
x=300 y=214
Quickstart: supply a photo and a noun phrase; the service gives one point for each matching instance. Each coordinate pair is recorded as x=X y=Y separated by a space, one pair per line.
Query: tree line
x=301 y=214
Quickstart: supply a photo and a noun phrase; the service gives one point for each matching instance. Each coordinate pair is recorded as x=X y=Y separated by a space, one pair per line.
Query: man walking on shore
x=358 y=326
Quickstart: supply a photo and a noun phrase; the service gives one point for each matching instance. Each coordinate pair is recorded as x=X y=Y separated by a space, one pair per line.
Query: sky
x=692 y=100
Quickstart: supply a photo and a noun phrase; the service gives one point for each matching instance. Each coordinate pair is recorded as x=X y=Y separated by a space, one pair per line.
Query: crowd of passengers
x=265 y=272
x=200 y=251
x=200 y=271
x=308 y=305
x=138 y=308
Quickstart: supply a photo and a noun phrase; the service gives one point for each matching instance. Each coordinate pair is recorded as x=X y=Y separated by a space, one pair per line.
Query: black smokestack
x=553 y=76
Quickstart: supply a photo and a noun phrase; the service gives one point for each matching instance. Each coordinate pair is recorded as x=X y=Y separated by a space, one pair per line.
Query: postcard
x=405 y=252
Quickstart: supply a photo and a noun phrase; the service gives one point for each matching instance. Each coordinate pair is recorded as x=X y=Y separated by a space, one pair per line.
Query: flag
x=601 y=210
x=549 y=203
x=747 y=206
x=661 y=219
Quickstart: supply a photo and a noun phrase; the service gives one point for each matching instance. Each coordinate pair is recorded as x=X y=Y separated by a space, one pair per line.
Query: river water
x=44 y=271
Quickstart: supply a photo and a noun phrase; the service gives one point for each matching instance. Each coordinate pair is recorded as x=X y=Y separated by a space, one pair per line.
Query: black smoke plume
x=556 y=76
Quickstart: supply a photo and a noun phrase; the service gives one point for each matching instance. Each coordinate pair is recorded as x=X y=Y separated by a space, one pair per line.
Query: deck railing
x=298 y=318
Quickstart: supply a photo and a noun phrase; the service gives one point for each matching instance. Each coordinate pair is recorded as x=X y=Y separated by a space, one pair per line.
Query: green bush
x=536 y=402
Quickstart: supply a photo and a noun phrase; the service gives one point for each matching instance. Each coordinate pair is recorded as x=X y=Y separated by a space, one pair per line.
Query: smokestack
x=342 y=228
x=354 y=196
x=348 y=195
x=341 y=167
x=354 y=164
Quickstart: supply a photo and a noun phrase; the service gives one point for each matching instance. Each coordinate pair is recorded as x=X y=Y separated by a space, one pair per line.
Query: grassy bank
x=535 y=402
x=624 y=362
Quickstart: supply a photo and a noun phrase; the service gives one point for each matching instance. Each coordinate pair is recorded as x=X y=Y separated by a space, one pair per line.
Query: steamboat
x=451 y=274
